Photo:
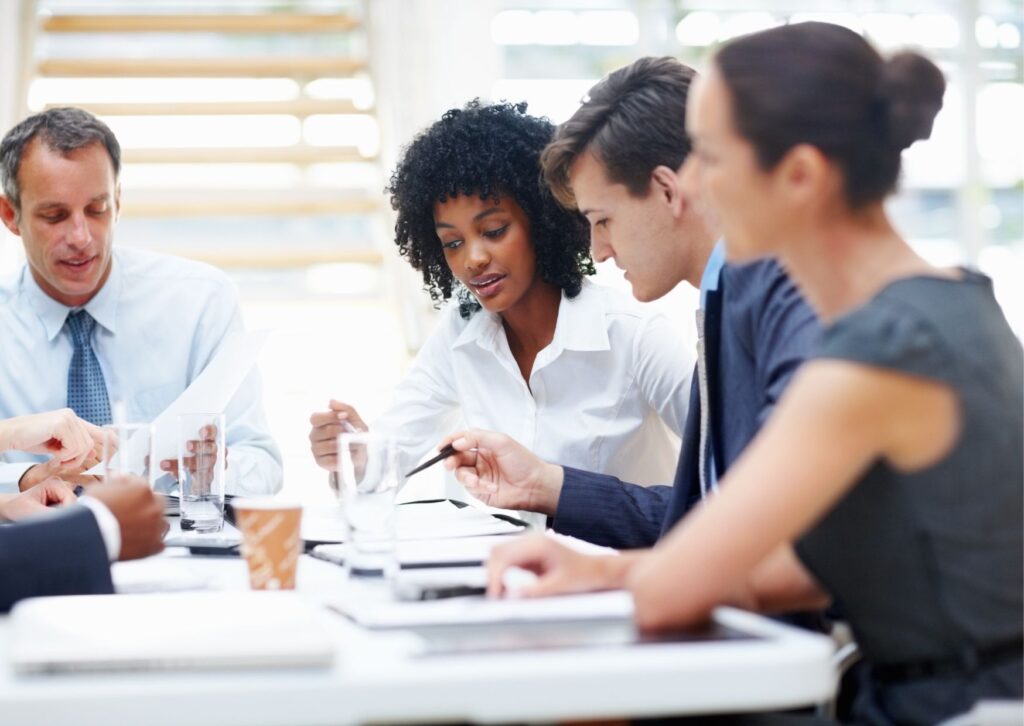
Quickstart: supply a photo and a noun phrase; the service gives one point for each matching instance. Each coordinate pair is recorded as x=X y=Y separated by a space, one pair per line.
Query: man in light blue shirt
x=82 y=323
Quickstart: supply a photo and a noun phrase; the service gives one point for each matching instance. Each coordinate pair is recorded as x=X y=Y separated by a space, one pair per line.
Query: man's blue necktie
x=87 y=391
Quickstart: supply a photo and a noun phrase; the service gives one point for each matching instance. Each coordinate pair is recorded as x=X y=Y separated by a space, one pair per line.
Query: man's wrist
x=550 y=490
x=27 y=480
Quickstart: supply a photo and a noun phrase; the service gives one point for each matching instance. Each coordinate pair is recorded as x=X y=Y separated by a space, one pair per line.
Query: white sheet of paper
x=464 y=610
x=418 y=521
x=210 y=392
x=422 y=552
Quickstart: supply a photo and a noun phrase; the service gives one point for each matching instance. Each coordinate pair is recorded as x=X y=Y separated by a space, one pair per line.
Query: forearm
x=609 y=512
x=5 y=435
x=781 y=584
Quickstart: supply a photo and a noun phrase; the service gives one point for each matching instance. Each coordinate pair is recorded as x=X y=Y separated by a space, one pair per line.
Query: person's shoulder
x=9 y=285
x=146 y=269
x=614 y=303
x=760 y=277
x=139 y=263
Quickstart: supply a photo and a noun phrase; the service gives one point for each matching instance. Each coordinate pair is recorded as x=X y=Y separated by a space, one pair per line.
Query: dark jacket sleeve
x=610 y=512
x=59 y=553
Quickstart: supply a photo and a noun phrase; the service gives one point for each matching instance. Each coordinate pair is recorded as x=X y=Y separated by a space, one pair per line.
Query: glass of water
x=368 y=482
x=128 y=451
x=201 y=471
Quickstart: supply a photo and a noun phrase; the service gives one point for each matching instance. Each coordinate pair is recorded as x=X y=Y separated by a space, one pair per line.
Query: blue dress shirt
x=160 y=321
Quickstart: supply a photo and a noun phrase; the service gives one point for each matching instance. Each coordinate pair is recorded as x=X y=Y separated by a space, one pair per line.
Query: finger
x=202 y=448
x=468 y=478
x=322 y=418
x=325 y=448
x=58 y=492
x=328 y=432
x=461 y=459
x=524 y=552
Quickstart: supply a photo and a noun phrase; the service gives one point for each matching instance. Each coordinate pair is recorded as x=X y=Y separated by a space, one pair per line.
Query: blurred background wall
x=259 y=134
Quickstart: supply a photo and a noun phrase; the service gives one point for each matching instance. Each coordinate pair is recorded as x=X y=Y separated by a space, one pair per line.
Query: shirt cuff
x=108 y=525
x=10 y=475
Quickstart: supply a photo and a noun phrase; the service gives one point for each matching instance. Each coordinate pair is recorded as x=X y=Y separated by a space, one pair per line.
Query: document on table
x=210 y=392
x=416 y=521
x=422 y=553
x=613 y=605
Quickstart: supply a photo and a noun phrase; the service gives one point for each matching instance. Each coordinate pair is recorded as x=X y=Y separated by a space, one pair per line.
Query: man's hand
x=69 y=439
x=51 y=492
x=139 y=513
x=202 y=459
x=500 y=472
x=51 y=469
x=559 y=569
x=326 y=425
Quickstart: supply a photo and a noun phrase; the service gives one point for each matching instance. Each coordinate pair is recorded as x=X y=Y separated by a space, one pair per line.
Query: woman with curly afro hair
x=580 y=373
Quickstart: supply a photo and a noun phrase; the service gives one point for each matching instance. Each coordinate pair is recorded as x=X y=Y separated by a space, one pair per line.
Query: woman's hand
x=326 y=425
x=69 y=439
x=559 y=569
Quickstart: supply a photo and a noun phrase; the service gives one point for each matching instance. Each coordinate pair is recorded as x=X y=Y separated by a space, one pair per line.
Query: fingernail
x=459 y=443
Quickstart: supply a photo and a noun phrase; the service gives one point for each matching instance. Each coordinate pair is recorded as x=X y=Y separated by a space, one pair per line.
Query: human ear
x=804 y=173
x=665 y=183
x=9 y=215
x=117 y=201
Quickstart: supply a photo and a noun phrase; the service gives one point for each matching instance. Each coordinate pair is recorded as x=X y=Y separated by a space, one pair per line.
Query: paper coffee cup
x=271 y=542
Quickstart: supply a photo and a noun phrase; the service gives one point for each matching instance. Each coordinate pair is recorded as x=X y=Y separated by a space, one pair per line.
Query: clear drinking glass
x=368 y=481
x=128 y=450
x=201 y=471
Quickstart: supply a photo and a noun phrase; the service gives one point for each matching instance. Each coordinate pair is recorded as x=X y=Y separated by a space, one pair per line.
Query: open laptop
x=190 y=630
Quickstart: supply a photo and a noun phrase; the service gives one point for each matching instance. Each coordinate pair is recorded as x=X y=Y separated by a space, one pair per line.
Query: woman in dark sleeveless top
x=889 y=477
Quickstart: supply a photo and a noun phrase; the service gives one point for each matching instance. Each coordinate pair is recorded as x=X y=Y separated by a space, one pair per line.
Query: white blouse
x=605 y=395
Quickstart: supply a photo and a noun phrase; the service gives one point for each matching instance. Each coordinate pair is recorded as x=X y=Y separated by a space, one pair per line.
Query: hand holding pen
x=503 y=473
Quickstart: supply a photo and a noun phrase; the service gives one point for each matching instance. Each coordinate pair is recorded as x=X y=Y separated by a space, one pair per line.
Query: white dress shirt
x=603 y=396
x=109 y=527
x=160 y=320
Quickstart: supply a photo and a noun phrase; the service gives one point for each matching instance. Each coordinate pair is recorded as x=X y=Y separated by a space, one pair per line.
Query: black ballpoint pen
x=443 y=454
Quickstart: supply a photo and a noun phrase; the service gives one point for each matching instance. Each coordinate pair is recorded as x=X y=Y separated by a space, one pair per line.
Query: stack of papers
x=167 y=631
x=416 y=521
x=613 y=605
x=422 y=553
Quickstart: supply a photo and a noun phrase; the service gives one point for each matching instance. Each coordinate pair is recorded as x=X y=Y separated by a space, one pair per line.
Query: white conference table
x=382 y=676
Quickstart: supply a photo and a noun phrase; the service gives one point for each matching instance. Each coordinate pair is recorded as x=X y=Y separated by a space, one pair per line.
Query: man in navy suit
x=620 y=160
x=68 y=551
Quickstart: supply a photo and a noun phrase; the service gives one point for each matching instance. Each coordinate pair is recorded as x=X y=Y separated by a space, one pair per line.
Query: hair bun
x=911 y=89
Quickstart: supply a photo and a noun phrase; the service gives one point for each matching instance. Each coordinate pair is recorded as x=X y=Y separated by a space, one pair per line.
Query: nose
x=78 y=235
x=477 y=256
x=599 y=248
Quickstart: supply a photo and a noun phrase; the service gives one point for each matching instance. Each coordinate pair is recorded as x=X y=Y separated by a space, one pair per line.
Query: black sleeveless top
x=929 y=566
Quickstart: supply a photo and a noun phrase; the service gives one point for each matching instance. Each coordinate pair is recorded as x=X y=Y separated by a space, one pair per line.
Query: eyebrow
x=98 y=198
x=587 y=212
x=477 y=218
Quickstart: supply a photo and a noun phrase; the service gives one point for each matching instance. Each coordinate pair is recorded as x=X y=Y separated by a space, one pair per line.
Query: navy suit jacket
x=59 y=553
x=757 y=330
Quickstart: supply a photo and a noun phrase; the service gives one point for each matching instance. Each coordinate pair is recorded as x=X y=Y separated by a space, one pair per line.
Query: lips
x=487 y=285
x=77 y=265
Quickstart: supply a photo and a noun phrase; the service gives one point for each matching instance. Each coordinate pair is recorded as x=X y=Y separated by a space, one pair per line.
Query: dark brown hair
x=824 y=85
x=633 y=121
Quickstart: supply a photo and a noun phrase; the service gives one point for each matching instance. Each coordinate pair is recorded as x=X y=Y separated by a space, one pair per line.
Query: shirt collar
x=581 y=324
x=712 y=271
x=52 y=314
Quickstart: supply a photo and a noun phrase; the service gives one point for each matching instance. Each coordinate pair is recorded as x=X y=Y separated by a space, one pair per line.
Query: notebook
x=91 y=633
